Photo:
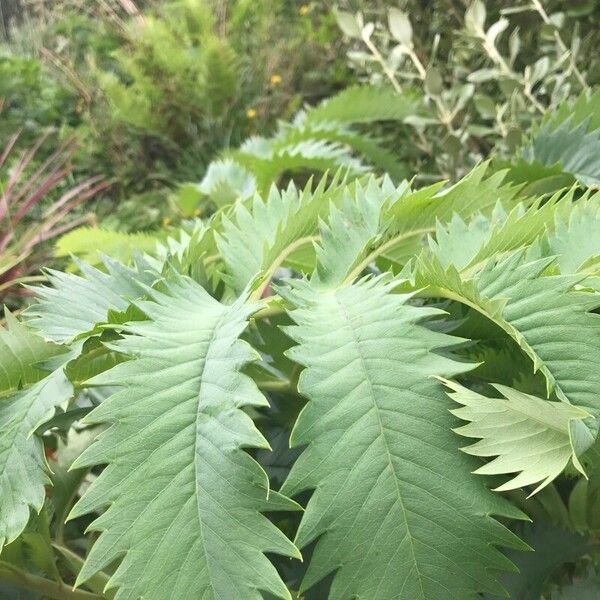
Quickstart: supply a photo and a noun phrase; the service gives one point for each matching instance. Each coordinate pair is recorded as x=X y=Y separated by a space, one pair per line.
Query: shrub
x=486 y=72
x=379 y=329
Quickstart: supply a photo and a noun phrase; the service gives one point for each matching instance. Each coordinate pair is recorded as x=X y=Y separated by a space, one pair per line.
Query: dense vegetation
x=299 y=302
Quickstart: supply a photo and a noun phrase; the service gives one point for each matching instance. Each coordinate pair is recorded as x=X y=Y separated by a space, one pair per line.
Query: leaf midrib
x=367 y=379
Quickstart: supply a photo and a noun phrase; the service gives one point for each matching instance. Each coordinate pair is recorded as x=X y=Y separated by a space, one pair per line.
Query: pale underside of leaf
x=527 y=435
x=395 y=511
x=184 y=499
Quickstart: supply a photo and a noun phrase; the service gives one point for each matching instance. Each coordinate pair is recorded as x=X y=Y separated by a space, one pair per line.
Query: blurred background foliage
x=175 y=108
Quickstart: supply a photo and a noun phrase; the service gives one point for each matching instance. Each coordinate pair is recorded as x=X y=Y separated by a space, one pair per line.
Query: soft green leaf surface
x=74 y=304
x=365 y=104
x=544 y=315
x=349 y=232
x=23 y=469
x=21 y=351
x=395 y=512
x=256 y=239
x=527 y=435
x=225 y=181
x=577 y=239
x=183 y=497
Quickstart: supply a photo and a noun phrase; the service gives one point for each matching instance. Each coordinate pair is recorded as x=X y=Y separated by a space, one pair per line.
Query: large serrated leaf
x=395 y=512
x=183 y=497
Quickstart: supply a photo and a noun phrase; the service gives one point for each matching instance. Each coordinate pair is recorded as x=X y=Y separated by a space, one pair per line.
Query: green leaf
x=365 y=104
x=258 y=238
x=528 y=435
x=75 y=304
x=23 y=469
x=578 y=240
x=22 y=351
x=395 y=511
x=575 y=149
x=422 y=209
x=550 y=321
x=92 y=243
x=183 y=496
x=267 y=159
x=225 y=181
x=349 y=232
x=570 y=139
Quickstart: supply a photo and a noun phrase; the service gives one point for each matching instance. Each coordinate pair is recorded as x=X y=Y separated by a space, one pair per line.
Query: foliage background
x=148 y=127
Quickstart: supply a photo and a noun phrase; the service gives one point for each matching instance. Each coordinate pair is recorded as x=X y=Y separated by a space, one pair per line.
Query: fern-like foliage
x=28 y=398
x=431 y=355
x=319 y=139
x=198 y=515
x=564 y=148
x=371 y=451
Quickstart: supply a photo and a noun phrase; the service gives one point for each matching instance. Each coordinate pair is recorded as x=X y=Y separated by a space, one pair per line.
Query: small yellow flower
x=275 y=79
x=197 y=212
x=251 y=113
x=166 y=221
x=304 y=10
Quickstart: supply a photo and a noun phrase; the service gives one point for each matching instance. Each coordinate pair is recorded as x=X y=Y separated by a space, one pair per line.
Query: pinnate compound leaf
x=576 y=239
x=350 y=231
x=395 y=512
x=184 y=499
x=366 y=104
x=527 y=435
x=257 y=237
x=552 y=322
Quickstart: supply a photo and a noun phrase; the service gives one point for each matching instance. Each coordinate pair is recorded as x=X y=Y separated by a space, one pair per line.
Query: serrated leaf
x=23 y=469
x=544 y=315
x=180 y=483
x=577 y=240
x=365 y=104
x=257 y=238
x=225 y=181
x=526 y=435
x=74 y=304
x=385 y=512
x=22 y=351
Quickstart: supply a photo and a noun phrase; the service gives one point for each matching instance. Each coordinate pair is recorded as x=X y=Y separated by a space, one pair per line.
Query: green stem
x=271 y=310
x=276 y=386
x=257 y=294
x=45 y=587
x=97 y=583
x=384 y=248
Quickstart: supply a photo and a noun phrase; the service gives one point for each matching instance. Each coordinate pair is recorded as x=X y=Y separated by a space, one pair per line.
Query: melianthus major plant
x=352 y=390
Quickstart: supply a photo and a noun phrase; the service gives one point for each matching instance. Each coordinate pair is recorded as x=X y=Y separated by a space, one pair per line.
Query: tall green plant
x=379 y=329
